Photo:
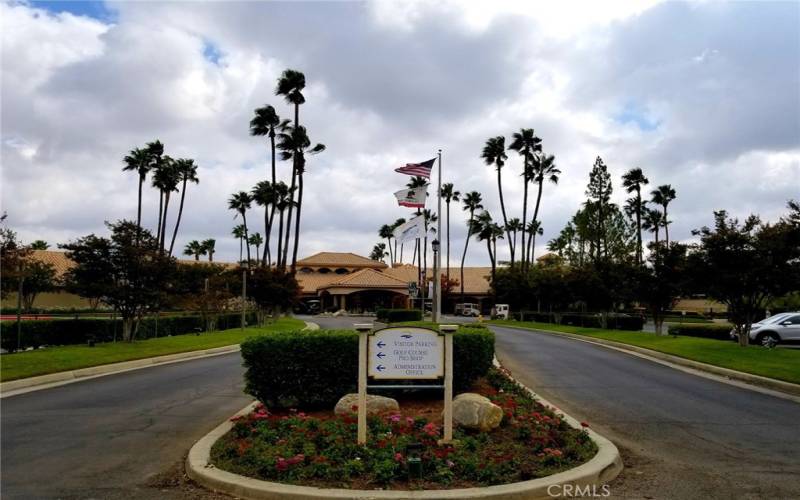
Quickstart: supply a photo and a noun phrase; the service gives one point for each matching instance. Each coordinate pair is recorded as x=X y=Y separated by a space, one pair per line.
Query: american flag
x=421 y=169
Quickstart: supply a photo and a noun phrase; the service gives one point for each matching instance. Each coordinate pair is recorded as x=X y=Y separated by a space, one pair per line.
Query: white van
x=500 y=311
x=467 y=309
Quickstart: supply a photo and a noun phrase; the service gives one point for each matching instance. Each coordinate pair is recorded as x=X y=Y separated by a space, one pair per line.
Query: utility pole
x=437 y=256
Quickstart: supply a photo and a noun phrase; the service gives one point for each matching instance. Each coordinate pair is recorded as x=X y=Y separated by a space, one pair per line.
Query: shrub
x=719 y=332
x=313 y=369
x=398 y=315
x=66 y=331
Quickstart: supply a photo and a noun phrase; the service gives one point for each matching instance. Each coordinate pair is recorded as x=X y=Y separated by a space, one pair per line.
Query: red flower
x=398 y=457
x=584 y=424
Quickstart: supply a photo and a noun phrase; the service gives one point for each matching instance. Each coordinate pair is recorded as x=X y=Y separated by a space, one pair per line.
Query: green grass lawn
x=58 y=359
x=781 y=364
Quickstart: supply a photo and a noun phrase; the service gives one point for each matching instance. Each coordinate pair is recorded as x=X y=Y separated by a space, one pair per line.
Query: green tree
x=471 y=202
x=272 y=290
x=663 y=196
x=599 y=192
x=544 y=168
x=663 y=281
x=485 y=229
x=296 y=145
x=141 y=162
x=194 y=248
x=240 y=202
x=494 y=153
x=632 y=181
x=378 y=252
x=256 y=240
x=187 y=171
x=652 y=220
x=283 y=200
x=387 y=232
x=209 y=246
x=39 y=277
x=526 y=144
x=399 y=222
x=265 y=195
x=449 y=194
x=166 y=179
x=239 y=233
x=39 y=245
x=534 y=229
x=514 y=227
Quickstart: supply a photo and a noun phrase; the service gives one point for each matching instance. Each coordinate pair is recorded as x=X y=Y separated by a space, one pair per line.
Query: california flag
x=413 y=198
x=411 y=230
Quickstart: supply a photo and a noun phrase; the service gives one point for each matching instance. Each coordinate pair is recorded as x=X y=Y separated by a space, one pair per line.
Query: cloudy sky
x=704 y=96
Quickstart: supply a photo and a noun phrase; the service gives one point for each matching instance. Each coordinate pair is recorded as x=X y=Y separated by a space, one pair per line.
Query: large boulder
x=473 y=411
x=375 y=404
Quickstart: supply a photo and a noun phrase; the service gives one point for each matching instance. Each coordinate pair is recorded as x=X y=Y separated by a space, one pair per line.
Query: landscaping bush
x=614 y=321
x=313 y=369
x=398 y=315
x=37 y=333
x=620 y=322
x=719 y=332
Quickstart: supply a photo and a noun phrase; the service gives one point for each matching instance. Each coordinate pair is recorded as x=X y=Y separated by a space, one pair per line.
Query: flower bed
x=320 y=449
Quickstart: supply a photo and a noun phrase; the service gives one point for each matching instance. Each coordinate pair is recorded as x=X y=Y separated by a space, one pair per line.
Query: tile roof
x=367 y=278
x=339 y=259
x=58 y=260
x=476 y=279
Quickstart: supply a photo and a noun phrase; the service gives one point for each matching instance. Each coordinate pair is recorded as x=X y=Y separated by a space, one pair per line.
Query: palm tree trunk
x=197 y=257
x=524 y=214
x=268 y=223
x=297 y=222
x=163 y=236
x=638 y=226
x=160 y=212
x=391 y=255
x=178 y=222
x=267 y=229
x=505 y=219
x=448 y=242
x=280 y=239
x=666 y=227
x=491 y=257
x=464 y=255
x=241 y=249
x=529 y=258
x=139 y=211
x=246 y=238
x=285 y=256
x=401 y=250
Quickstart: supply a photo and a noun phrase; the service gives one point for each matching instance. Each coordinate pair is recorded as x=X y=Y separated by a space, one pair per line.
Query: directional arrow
x=380 y=368
x=381 y=355
x=381 y=343
x=406 y=336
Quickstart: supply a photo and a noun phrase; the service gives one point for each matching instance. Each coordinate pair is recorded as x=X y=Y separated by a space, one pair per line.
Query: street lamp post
x=437 y=283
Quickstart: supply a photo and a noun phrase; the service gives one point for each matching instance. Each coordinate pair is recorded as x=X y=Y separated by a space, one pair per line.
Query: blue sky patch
x=211 y=52
x=635 y=113
x=88 y=8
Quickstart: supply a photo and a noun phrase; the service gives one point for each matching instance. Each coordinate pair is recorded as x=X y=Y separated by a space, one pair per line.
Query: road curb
x=748 y=380
x=602 y=468
x=40 y=382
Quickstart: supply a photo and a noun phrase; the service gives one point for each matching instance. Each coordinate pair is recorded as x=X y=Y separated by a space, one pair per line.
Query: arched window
x=306 y=270
x=323 y=270
x=341 y=270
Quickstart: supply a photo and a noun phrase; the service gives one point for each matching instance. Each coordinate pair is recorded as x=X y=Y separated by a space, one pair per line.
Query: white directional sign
x=406 y=353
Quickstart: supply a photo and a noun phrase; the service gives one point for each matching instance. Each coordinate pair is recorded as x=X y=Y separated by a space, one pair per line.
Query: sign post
x=405 y=353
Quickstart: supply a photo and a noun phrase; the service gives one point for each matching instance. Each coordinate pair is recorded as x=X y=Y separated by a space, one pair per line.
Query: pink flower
x=281 y=464
x=450 y=464
x=431 y=429
x=409 y=421
x=398 y=457
x=395 y=418
x=584 y=424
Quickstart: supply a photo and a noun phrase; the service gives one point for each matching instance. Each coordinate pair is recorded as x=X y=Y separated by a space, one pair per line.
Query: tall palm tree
x=534 y=229
x=256 y=240
x=449 y=194
x=386 y=232
x=485 y=229
x=295 y=145
x=195 y=248
x=514 y=226
x=283 y=199
x=240 y=202
x=471 y=202
x=429 y=218
x=494 y=153
x=663 y=195
x=652 y=220
x=544 y=168
x=378 y=252
x=238 y=232
x=632 y=181
x=399 y=222
x=210 y=247
x=290 y=85
x=187 y=171
x=525 y=143
x=139 y=161
x=264 y=195
x=166 y=179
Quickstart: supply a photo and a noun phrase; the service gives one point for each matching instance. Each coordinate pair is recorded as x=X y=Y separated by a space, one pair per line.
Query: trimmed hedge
x=613 y=321
x=37 y=333
x=398 y=315
x=719 y=332
x=313 y=369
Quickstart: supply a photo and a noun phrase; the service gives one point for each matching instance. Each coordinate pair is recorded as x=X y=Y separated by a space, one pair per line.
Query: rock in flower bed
x=320 y=450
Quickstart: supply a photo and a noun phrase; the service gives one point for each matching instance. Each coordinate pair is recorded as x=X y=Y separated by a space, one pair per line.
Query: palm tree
x=238 y=232
x=663 y=195
x=378 y=252
x=256 y=240
x=166 y=179
x=415 y=182
x=485 y=229
x=494 y=153
x=514 y=226
x=195 y=248
x=140 y=161
x=240 y=202
x=386 y=232
x=290 y=85
x=652 y=220
x=534 y=229
x=429 y=218
x=265 y=196
x=449 y=194
x=399 y=222
x=187 y=171
x=470 y=203
x=295 y=145
x=543 y=168
x=209 y=245
x=283 y=199
x=525 y=143
x=632 y=181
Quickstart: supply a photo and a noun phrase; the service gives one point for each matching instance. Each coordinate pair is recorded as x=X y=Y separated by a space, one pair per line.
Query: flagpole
x=437 y=281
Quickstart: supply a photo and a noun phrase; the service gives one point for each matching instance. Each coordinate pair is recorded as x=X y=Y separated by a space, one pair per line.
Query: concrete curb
x=779 y=388
x=30 y=384
x=602 y=468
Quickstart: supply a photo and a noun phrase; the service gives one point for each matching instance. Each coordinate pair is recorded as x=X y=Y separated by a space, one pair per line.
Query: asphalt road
x=682 y=436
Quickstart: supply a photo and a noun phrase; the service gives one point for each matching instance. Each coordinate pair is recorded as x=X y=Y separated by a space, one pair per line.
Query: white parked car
x=783 y=327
